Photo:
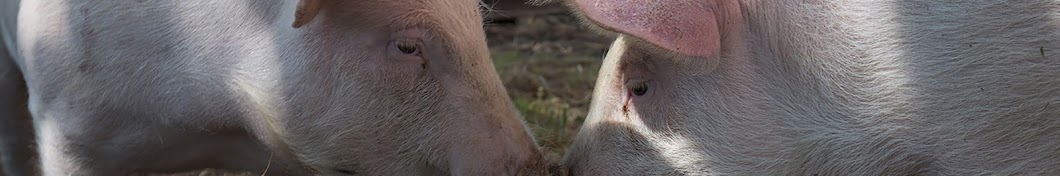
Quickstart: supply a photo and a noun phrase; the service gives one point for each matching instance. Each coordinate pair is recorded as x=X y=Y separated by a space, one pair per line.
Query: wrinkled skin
x=367 y=87
x=813 y=87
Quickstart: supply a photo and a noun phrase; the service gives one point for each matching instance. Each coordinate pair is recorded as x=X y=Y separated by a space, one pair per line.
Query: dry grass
x=549 y=65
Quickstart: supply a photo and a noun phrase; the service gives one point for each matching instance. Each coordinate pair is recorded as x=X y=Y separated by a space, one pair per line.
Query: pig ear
x=307 y=9
x=687 y=27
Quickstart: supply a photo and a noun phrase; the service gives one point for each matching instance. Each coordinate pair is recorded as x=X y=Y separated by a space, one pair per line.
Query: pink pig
x=815 y=87
x=276 y=87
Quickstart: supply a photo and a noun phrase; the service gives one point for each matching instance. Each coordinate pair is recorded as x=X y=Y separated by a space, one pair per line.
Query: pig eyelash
x=408 y=47
x=638 y=88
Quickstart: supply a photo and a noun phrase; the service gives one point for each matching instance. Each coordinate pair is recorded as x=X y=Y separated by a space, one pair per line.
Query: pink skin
x=692 y=32
x=881 y=87
x=285 y=87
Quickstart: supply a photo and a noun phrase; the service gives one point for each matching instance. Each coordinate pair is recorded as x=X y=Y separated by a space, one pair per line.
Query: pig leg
x=75 y=139
x=58 y=142
x=16 y=128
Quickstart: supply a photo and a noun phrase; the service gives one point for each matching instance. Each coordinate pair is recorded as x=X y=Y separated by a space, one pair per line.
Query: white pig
x=822 y=87
x=286 y=87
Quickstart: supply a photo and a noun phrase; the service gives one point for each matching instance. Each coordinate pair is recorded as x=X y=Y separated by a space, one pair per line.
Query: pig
x=819 y=87
x=276 y=87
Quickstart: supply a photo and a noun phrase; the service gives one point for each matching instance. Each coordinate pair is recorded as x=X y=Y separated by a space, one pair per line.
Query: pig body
x=826 y=88
x=354 y=87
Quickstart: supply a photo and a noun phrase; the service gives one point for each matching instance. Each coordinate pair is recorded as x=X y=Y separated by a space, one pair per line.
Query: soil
x=549 y=65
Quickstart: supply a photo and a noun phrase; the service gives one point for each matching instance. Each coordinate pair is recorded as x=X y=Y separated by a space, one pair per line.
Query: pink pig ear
x=687 y=27
x=305 y=12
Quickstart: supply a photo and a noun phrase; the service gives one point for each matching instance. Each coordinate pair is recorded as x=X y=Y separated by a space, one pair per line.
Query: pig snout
x=496 y=146
x=495 y=156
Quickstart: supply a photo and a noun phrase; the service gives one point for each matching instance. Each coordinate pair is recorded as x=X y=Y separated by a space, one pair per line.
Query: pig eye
x=408 y=47
x=638 y=88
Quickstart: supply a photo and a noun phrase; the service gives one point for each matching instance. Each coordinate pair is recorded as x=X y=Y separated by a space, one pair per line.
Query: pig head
x=367 y=87
x=728 y=87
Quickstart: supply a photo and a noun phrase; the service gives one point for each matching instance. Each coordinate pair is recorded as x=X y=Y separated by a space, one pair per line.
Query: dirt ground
x=548 y=64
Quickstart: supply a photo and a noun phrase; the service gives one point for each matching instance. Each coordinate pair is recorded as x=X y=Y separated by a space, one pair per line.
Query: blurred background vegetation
x=548 y=62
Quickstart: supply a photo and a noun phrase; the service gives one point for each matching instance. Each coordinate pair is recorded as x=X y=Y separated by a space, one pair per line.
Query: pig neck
x=266 y=80
x=805 y=64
